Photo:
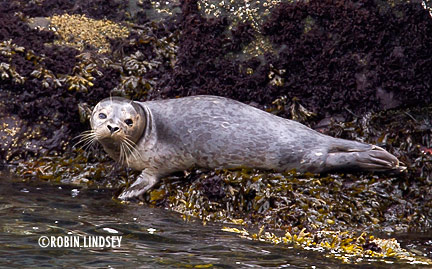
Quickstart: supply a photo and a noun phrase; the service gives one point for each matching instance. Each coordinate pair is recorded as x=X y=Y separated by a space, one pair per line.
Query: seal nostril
x=112 y=129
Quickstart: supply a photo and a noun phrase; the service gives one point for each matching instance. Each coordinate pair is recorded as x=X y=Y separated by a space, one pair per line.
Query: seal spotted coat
x=165 y=136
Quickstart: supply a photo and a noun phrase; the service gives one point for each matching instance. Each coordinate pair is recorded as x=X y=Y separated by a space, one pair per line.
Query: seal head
x=118 y=124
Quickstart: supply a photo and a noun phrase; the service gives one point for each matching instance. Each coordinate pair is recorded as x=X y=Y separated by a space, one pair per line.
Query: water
x=151 y=237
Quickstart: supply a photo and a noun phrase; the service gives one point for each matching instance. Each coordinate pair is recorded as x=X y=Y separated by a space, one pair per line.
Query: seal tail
x=352 y=155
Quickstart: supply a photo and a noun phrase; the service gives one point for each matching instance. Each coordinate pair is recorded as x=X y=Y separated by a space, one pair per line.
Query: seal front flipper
x=145 y=181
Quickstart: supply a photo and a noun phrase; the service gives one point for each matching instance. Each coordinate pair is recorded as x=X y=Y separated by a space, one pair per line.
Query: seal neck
x=149 y=136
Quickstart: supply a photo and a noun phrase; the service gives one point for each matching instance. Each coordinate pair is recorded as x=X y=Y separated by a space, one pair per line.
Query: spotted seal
x=165 y=136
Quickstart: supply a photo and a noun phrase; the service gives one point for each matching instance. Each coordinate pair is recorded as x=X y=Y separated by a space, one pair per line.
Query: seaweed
x=353 y=69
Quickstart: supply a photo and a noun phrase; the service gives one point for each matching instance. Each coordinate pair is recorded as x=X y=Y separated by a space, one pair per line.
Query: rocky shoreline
x=356 y=70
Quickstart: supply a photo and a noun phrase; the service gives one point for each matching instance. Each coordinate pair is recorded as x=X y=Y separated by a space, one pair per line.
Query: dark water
x=151 y=237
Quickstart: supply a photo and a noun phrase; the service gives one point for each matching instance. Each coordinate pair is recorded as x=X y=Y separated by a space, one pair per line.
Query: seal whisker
x=87 y=143
x=123 y=148
x=84 y=134
x=124 y=153
x=90 y=143
x=85 y=139
x=121 y=154
x=132 y=148
x=127 y=150
x=136 y=154
x=125 y=157
x=128 y=141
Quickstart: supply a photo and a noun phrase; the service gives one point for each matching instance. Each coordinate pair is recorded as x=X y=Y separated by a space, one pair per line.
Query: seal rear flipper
x=142 y=184
x=373 y=159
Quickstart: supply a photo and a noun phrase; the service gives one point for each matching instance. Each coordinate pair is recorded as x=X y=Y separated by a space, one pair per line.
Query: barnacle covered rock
x=79 y=31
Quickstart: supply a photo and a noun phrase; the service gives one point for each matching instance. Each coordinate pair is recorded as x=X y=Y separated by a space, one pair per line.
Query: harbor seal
x=165 y=136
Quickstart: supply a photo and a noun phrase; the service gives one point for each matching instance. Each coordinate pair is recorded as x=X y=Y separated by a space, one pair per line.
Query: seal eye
x=128 y=122
x=102 y=116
